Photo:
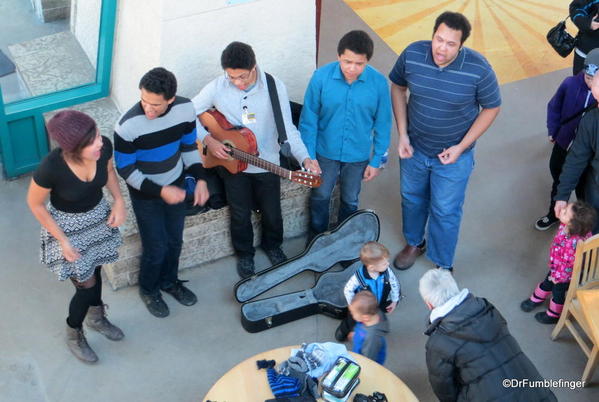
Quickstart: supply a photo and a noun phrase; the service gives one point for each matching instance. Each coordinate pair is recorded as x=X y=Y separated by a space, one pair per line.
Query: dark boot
x=536 y=299
x=551 y=316
x=345 y=327
x=78 y=345
x=96 y=320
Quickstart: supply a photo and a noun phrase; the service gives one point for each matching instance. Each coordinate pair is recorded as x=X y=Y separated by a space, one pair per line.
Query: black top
x=67 y=192
x=583 y=154
x=582 y=13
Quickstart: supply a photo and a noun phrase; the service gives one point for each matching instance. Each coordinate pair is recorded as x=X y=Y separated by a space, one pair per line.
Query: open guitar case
x=326 y=297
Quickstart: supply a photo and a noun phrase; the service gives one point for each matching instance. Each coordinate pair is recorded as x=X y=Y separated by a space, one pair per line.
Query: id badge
x=247 y=117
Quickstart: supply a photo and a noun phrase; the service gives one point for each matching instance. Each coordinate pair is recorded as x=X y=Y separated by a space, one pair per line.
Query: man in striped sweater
x=454 y=98
x=153 y=143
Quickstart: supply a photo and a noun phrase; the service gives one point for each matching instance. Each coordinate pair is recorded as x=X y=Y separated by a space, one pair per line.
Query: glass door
x=53 y=54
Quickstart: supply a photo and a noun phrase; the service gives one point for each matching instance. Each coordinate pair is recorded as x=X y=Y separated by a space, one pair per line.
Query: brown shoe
x=78 y=345
x=96 y=320
x=406 y=257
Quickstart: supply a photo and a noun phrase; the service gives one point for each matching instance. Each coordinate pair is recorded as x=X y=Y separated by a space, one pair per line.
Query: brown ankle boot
x=407 y=257
x=78 y=345
x=96 y=320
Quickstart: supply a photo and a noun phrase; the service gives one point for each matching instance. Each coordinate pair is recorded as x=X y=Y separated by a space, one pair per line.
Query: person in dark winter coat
x=583 y=14
x=564 y=111
x=470 y=352
x=583 y=156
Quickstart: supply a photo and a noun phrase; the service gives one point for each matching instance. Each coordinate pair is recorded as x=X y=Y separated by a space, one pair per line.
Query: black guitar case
x=326 y=297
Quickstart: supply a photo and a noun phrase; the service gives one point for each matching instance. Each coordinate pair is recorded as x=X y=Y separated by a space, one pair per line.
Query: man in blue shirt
x=449 y=84
x=346 y=125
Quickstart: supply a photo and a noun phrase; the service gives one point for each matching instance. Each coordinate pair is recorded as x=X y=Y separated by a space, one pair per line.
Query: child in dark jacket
x=577 y=220
x=371 y=327
x=570 y=100
x=374 y=275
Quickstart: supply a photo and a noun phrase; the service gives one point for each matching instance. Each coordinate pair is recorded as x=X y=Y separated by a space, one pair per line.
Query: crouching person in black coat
x=470 y=352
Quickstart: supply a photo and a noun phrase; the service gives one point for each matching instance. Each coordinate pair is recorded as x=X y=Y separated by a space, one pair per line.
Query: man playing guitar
x=241 y=95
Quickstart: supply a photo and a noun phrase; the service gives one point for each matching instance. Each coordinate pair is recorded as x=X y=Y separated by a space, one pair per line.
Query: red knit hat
x=69 y=127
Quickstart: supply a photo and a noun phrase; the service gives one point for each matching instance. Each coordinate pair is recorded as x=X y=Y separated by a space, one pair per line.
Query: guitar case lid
x=325 y=250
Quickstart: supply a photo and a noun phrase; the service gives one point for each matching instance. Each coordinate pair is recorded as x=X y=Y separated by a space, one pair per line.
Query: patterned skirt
x=88 y=232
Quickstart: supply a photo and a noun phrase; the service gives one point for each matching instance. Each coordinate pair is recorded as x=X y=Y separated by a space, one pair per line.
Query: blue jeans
x=433 y=192
x=350 y=176
x=161 y=231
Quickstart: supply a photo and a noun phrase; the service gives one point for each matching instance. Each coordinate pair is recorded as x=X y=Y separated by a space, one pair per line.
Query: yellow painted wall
x=510 y=33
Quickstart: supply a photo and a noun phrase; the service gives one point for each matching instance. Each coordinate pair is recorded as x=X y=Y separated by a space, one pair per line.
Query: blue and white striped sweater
x=150 y=154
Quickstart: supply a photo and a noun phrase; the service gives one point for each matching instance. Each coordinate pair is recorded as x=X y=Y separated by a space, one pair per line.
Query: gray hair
x=437 y=286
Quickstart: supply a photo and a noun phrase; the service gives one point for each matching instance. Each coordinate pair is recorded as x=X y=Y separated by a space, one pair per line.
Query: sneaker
x=182 y=294
x=528 y=305
x=156 y=306
x=276 y=256
x=245 y=266
x=545 y=222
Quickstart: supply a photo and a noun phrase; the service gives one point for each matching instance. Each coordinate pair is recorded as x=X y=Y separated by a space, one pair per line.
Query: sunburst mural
x=510 y=33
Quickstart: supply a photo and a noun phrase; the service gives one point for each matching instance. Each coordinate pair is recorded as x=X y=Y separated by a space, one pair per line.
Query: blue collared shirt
x=347 y=122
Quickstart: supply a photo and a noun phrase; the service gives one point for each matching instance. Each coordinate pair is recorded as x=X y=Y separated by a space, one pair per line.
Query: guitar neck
x=261 y=163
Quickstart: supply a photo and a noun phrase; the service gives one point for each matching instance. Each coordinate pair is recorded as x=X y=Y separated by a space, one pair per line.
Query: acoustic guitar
x=243 y=150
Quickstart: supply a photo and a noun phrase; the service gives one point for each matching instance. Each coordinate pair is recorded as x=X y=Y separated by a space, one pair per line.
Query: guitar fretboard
x=261 y=163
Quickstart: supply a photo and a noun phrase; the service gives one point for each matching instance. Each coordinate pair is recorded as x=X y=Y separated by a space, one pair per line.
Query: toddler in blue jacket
x=371 y=327
x=374 y=275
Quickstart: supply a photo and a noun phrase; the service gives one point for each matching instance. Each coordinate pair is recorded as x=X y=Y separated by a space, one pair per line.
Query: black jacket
x=470 y=353
x=582 y=13
x=582 y=154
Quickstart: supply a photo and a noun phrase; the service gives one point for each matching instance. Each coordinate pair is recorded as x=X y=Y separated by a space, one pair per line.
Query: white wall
x=188 y=36
x=85 y=25
x=137 y=47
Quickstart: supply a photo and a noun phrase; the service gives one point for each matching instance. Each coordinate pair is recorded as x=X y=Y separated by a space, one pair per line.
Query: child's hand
x=391 y=307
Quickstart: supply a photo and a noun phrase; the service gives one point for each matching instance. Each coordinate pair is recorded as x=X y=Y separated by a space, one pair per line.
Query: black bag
x=216 y=188
x=560 y=39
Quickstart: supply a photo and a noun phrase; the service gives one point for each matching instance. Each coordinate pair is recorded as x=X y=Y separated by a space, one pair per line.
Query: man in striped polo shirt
x=454 y=98
x=153 y=142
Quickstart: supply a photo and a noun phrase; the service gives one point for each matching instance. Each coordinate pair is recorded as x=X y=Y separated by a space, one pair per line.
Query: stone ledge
x=206 y=236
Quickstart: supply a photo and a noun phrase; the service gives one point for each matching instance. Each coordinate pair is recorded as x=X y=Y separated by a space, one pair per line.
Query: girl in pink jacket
x=576 y=222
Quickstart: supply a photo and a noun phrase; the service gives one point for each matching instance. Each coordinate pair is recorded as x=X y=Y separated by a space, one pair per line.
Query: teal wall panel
x=23 y=138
